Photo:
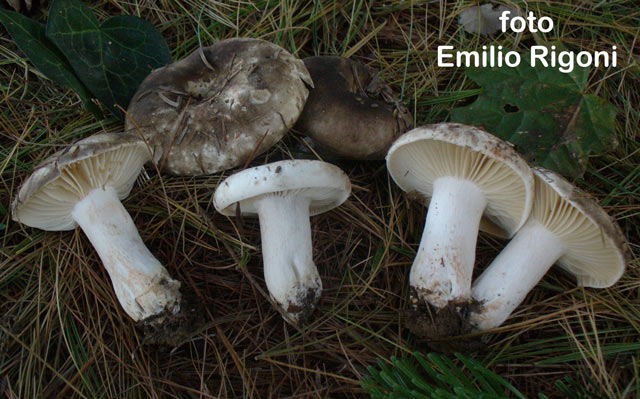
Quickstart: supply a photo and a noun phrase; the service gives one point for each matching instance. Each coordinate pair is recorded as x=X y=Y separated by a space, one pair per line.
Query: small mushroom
x=284 y=195
x=83 y=185
x=565 y=227
x=485 y=19
x=351 y=113
x=219 y=106
x=466 y=172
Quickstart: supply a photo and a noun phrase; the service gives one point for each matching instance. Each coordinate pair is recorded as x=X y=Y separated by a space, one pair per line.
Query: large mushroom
x=83 y=185
x=467 y=173
x=351 y=113
x=284 y=195
x=566 y=227
x=219 y=106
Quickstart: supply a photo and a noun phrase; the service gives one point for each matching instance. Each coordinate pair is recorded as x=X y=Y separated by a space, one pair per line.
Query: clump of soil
x=445 y=330
x=174 y=329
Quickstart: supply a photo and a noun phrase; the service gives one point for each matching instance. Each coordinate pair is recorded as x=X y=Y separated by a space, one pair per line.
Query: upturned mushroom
x=351 y=113
x=284 y=195
x=219 y=106
x=566 y=227
x=83 y=185
x=466 y=172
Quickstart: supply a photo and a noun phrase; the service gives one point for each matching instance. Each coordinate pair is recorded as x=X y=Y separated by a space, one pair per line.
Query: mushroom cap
x=222 y=104
x=596 y=250
x=351 y=112
x=484 y=19
x=47 y=198
x=326 y=185
x=427 y=153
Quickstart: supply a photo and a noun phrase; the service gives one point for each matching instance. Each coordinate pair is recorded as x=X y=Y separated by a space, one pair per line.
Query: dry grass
x=62 y=333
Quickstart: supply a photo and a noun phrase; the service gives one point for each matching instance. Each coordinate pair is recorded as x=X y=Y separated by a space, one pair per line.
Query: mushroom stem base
x=290 y=274
x=514 y=272
x=143 y=286
x=443 y=267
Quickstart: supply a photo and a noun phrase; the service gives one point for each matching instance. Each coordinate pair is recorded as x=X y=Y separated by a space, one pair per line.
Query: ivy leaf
x=544 y=112
x=111 y=58
x=30 y=37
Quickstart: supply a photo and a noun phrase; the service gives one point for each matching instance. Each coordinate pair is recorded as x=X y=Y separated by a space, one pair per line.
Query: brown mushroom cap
x=47 y=198
x=222 y=104
x=351 y=112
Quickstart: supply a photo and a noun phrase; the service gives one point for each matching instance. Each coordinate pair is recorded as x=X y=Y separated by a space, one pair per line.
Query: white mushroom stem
x=143 y=286
x=443 y=267
x=291 y=276
x=513 y=273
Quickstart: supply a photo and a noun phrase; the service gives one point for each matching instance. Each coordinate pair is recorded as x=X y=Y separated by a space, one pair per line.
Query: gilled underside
x=589 y=248
x=463 y=185
x=564 y=227
x=427 y=160
x=50 y=207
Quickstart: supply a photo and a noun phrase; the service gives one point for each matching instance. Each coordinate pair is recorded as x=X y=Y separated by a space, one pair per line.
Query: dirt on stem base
x=445 y=330
x=174 y=329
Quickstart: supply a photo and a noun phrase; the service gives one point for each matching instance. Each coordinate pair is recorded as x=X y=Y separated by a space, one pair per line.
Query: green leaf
x=111 y=58
x=30 y=37
x=544 y=112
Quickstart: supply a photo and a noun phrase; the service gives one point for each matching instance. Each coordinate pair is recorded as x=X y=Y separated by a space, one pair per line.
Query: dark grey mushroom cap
x=351 y=112
x=222 y=104
x=47 y=198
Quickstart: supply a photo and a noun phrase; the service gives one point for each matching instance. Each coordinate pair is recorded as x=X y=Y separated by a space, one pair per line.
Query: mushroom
x=221 y=105
x=467 y=172
x=83 y=185
x=284 y=195
x=485 y=19
x=351 y=113
x=566 y=227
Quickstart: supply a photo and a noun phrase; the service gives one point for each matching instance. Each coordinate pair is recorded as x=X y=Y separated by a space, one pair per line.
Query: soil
x=175 y=329
x=445 y=330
